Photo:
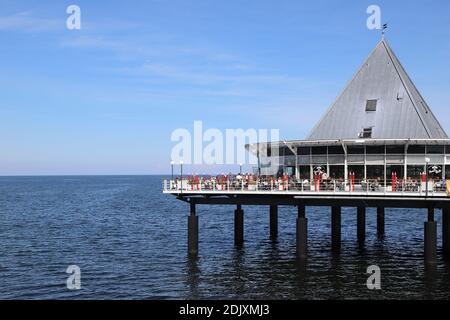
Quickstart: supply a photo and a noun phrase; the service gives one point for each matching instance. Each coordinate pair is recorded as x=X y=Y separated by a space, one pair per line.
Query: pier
x=334 y=200
x=378 y=145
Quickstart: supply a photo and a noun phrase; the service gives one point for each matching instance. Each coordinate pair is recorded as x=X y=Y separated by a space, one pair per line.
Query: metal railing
x=264 y=184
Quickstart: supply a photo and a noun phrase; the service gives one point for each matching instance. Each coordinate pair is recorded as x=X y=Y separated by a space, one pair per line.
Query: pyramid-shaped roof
x=400 y=110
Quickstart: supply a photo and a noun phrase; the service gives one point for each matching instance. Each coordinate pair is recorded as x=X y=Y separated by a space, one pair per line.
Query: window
x=335 y=150
x=319 y=150
x=366 y=133
x=290 y=171
x=303 y=151
x=357 y=170
x=435 y=149
x=414 y=172
x=371 y=105
x=399 y=170
x=285 y=151
x=355 y=150
x=375 y=172
x=337 y=172
x=305 y=172
x=375 y=150
x=416 y=149
x=395 y=149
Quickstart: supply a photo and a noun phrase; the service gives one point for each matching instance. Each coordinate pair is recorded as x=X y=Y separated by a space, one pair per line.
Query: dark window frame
x=303 y=151
x=417 y=149
x=375 y=149
x=395 y=149
x=319 y=150
x=366 y=133
x=335 y=150
x=435 y=149
x=371 y=105
x=356 y=149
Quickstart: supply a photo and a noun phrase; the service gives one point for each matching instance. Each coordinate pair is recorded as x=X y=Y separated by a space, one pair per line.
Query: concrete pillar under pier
x=302 y=233
x=335 y=229
x=193 y=232
x=446 y=231
x=380 y=221
x=273 y=221
x=361 y=225
x=430 y=255
x=239 y=226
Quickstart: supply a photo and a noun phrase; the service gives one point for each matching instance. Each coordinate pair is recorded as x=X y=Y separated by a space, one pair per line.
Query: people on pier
x=321 y=181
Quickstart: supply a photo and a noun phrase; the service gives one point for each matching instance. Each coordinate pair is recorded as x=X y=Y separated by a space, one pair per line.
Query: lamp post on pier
x=181 y=169
x=427 y=161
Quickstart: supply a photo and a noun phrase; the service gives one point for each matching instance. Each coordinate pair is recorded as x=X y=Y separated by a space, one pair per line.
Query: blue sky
x=105 y=99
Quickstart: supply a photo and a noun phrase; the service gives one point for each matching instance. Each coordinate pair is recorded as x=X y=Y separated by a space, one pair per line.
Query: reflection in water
x=430 y=279
x=239 y=269
x=301 y=268
x=193 y=276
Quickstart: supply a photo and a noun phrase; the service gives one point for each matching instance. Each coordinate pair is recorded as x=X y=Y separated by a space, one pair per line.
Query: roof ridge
x=397 y=62
x=377 y=78
x=344 y=90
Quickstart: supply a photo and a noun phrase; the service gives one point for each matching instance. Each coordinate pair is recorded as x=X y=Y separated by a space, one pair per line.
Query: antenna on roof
x=383 y=31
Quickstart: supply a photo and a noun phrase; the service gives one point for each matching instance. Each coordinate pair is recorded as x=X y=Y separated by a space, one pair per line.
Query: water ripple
x=130 y=243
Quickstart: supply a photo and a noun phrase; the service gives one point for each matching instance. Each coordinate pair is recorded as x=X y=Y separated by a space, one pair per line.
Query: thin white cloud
x=201 y=77
x=91 y=42
x=156 y=47
x=25 y=21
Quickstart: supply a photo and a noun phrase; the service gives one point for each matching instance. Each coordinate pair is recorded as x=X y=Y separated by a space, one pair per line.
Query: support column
x=335 y=229
x=302 y=233
x=273 y=221
x=239 y=226
x=430 y=238
x=380 y=221
x=192 y=232
x=446 y=231
x=361 y=225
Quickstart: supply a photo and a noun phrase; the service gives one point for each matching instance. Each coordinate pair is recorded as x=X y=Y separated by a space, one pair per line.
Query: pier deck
x=301 y=197
x=400 y=198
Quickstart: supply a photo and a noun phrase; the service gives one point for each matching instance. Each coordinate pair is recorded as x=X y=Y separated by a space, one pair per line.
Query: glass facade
x=375 y=172
x=414 y=171
x=337 y=172
x=394 y=169
x=358 y=170
x=367 y=161
x=305 y=172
